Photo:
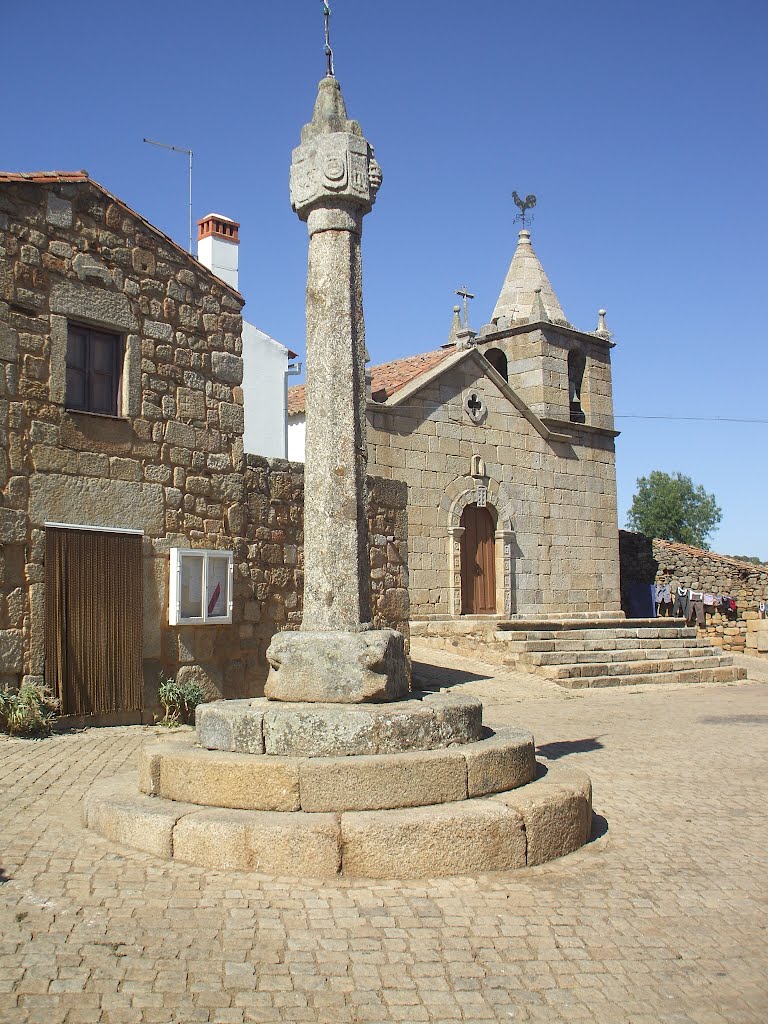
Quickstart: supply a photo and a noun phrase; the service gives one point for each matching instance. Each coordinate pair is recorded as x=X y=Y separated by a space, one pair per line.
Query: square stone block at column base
x=230 y=725
x=338 y=668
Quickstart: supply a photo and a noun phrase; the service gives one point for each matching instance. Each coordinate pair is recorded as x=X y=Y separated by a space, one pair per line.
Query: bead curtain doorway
x=93 y=620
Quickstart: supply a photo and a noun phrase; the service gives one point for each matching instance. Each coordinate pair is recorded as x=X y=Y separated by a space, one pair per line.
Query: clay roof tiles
x=296 y=399
x=386 y=379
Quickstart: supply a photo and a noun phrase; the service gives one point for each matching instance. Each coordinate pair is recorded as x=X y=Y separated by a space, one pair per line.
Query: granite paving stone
x=660 y=919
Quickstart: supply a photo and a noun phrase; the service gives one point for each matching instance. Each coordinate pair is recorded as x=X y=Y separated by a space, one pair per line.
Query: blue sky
x=640 y=127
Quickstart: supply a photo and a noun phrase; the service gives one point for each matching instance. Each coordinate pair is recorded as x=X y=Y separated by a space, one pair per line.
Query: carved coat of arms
x=333 y=164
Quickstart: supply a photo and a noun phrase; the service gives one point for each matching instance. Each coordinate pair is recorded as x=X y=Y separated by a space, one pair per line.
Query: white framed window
x=201 y=587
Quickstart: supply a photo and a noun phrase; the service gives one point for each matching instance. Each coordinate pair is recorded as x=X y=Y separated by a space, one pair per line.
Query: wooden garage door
x=478 y=568
x=94 y=620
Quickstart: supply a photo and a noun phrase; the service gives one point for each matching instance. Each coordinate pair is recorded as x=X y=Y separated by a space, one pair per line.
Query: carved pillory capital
x=334 y=170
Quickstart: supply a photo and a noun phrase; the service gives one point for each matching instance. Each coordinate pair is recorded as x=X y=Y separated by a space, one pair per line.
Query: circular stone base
x=536 y=823
x=181 y=770
x=423 y=722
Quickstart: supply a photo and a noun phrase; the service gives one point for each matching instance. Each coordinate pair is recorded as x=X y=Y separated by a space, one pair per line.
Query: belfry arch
x=498 y=360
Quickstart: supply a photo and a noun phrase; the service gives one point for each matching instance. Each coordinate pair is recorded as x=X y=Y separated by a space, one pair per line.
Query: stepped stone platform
x=412 y=788
x=577 y=652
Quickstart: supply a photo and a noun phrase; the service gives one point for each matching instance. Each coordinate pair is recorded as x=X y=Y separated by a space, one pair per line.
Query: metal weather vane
x=328 y=51
x=524 y=205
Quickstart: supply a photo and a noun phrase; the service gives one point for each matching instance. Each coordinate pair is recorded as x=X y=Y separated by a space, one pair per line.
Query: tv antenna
x=524 y=205
x=180 y=149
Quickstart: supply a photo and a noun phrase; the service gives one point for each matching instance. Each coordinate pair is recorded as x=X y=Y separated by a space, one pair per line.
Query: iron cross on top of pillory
x=328 y=51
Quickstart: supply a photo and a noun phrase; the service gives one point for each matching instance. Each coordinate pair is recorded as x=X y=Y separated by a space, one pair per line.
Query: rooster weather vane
x=524 y=205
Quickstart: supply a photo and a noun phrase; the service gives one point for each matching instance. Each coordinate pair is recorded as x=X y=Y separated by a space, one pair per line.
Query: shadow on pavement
x=433 y=677
x=561 y=748
x=599 y=827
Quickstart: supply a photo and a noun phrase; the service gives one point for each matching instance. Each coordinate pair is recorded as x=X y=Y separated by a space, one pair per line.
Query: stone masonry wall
x=269 y=579
x=644 y=560
x=170 y=464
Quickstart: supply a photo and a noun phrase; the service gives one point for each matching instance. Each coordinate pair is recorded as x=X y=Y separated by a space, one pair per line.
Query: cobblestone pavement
x=660 y=920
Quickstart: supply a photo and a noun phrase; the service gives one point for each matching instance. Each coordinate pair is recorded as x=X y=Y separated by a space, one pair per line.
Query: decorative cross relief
x=475 y=407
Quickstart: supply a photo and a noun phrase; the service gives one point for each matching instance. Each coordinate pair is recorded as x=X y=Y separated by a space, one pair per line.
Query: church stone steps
x=608 y=646
x=696 y=676
x=633 y=668
x=615 y=633
x=573 y=653
x=597 y=657
x=569 y=624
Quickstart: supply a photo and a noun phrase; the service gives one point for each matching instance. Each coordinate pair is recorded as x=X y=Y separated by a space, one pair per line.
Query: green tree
x=673 y=508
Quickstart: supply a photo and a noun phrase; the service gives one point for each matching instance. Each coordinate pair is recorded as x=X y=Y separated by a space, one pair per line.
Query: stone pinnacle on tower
x=336 y=656
x=518 y=294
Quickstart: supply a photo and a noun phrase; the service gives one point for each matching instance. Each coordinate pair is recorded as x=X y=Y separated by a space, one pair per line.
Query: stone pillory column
x=336 y=656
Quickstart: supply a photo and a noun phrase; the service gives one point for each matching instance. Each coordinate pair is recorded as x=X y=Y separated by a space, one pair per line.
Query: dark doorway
x=94 y=621
x=478 y=569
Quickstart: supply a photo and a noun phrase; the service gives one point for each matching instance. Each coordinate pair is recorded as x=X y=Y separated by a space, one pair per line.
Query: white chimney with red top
x=217 y=242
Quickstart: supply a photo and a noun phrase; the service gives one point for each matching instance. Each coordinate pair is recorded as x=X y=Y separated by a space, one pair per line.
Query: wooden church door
x=478 y=569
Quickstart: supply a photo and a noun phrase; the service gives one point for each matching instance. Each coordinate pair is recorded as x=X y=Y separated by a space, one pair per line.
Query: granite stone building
x=121 y=415
x=505 y=439
x=136 y=535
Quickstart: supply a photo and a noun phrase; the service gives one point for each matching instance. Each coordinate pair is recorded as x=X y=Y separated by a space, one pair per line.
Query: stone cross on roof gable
x=465 y=294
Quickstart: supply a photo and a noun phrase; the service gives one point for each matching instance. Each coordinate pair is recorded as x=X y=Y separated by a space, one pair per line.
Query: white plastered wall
x=265 y=363
x=297 y=429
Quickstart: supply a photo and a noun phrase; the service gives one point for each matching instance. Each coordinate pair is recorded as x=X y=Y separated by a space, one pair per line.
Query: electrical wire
x=699 y=419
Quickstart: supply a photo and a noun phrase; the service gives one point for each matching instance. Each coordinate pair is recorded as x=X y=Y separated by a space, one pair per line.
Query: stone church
x=505 y=439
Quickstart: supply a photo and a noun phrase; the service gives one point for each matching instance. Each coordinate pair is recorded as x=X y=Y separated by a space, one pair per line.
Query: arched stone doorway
x=460 y=494
x=478 y=561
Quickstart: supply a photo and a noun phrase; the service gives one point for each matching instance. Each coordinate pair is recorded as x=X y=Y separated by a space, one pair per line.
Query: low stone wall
x=269 y=580
x=644 y=560
x=266 y=536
